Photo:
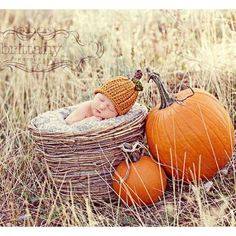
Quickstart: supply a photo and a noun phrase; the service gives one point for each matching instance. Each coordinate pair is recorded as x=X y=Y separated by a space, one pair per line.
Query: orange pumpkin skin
x=193 y=139
x=145 y=184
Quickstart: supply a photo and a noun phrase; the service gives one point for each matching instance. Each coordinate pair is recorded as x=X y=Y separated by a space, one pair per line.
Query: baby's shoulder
x=83 y=104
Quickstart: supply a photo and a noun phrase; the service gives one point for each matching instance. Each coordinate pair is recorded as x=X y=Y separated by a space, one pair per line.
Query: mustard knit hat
x=122 y=91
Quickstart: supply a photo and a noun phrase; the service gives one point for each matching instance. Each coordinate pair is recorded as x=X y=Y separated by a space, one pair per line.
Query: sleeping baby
x=115 y=97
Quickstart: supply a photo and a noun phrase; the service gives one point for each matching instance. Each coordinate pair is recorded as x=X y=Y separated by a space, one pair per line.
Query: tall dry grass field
x=187 y=47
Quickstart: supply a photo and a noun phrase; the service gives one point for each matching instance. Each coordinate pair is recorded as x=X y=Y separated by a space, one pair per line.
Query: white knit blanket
x=54 y=121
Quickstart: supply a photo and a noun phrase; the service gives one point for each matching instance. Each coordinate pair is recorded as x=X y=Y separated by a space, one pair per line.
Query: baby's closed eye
x=111 y=108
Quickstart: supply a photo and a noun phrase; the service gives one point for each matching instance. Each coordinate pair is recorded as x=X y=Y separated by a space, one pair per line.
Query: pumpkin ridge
x=215 y=133
x=212 y=125
x=209 y=111
x=176 y=157
x=174 y=130
x=155 y=124
x=212 y=149
x=208 y=151
x=157 y=121
x=189 y=144
x=139 y=175
x=209 y=140
x=186 y=140
x=169 y=140
x=138 y=187
x=187 y=167
x=201 y=141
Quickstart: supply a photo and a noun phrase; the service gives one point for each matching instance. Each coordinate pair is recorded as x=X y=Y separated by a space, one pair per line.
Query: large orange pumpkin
x=191 y=133
x=145 y=183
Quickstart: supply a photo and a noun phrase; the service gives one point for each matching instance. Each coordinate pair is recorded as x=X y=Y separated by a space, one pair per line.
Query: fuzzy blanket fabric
x=54 y=121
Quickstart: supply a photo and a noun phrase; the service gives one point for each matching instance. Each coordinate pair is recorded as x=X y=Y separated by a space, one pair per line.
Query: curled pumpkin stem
x=182 y=100
x=127 y=147
x=166 y=99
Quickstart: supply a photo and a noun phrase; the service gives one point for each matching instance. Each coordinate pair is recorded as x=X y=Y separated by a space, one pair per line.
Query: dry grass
x=193 y=47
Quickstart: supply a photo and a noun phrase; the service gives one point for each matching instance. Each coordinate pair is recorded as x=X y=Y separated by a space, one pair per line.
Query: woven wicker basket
x=83 y=163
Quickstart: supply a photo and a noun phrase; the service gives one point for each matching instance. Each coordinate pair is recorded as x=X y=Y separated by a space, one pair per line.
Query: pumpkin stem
x=182 y=100
x=133 y=149
x=166 y=99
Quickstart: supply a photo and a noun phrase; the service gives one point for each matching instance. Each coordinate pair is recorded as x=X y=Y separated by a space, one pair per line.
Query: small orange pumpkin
x=191 y=134
x=145 y=183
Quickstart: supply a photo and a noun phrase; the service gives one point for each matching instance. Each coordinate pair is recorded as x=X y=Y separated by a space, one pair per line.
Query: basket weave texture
x=83 y=163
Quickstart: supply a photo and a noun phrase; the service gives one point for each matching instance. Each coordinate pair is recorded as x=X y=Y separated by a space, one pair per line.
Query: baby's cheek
x=108 y=114
x=112 y=115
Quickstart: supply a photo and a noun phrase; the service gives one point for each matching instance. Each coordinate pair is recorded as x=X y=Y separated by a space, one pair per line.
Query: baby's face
x=103 y=107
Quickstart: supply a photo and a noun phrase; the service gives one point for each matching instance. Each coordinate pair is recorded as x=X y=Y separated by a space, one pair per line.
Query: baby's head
x=116 y=96
x=103 y=107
